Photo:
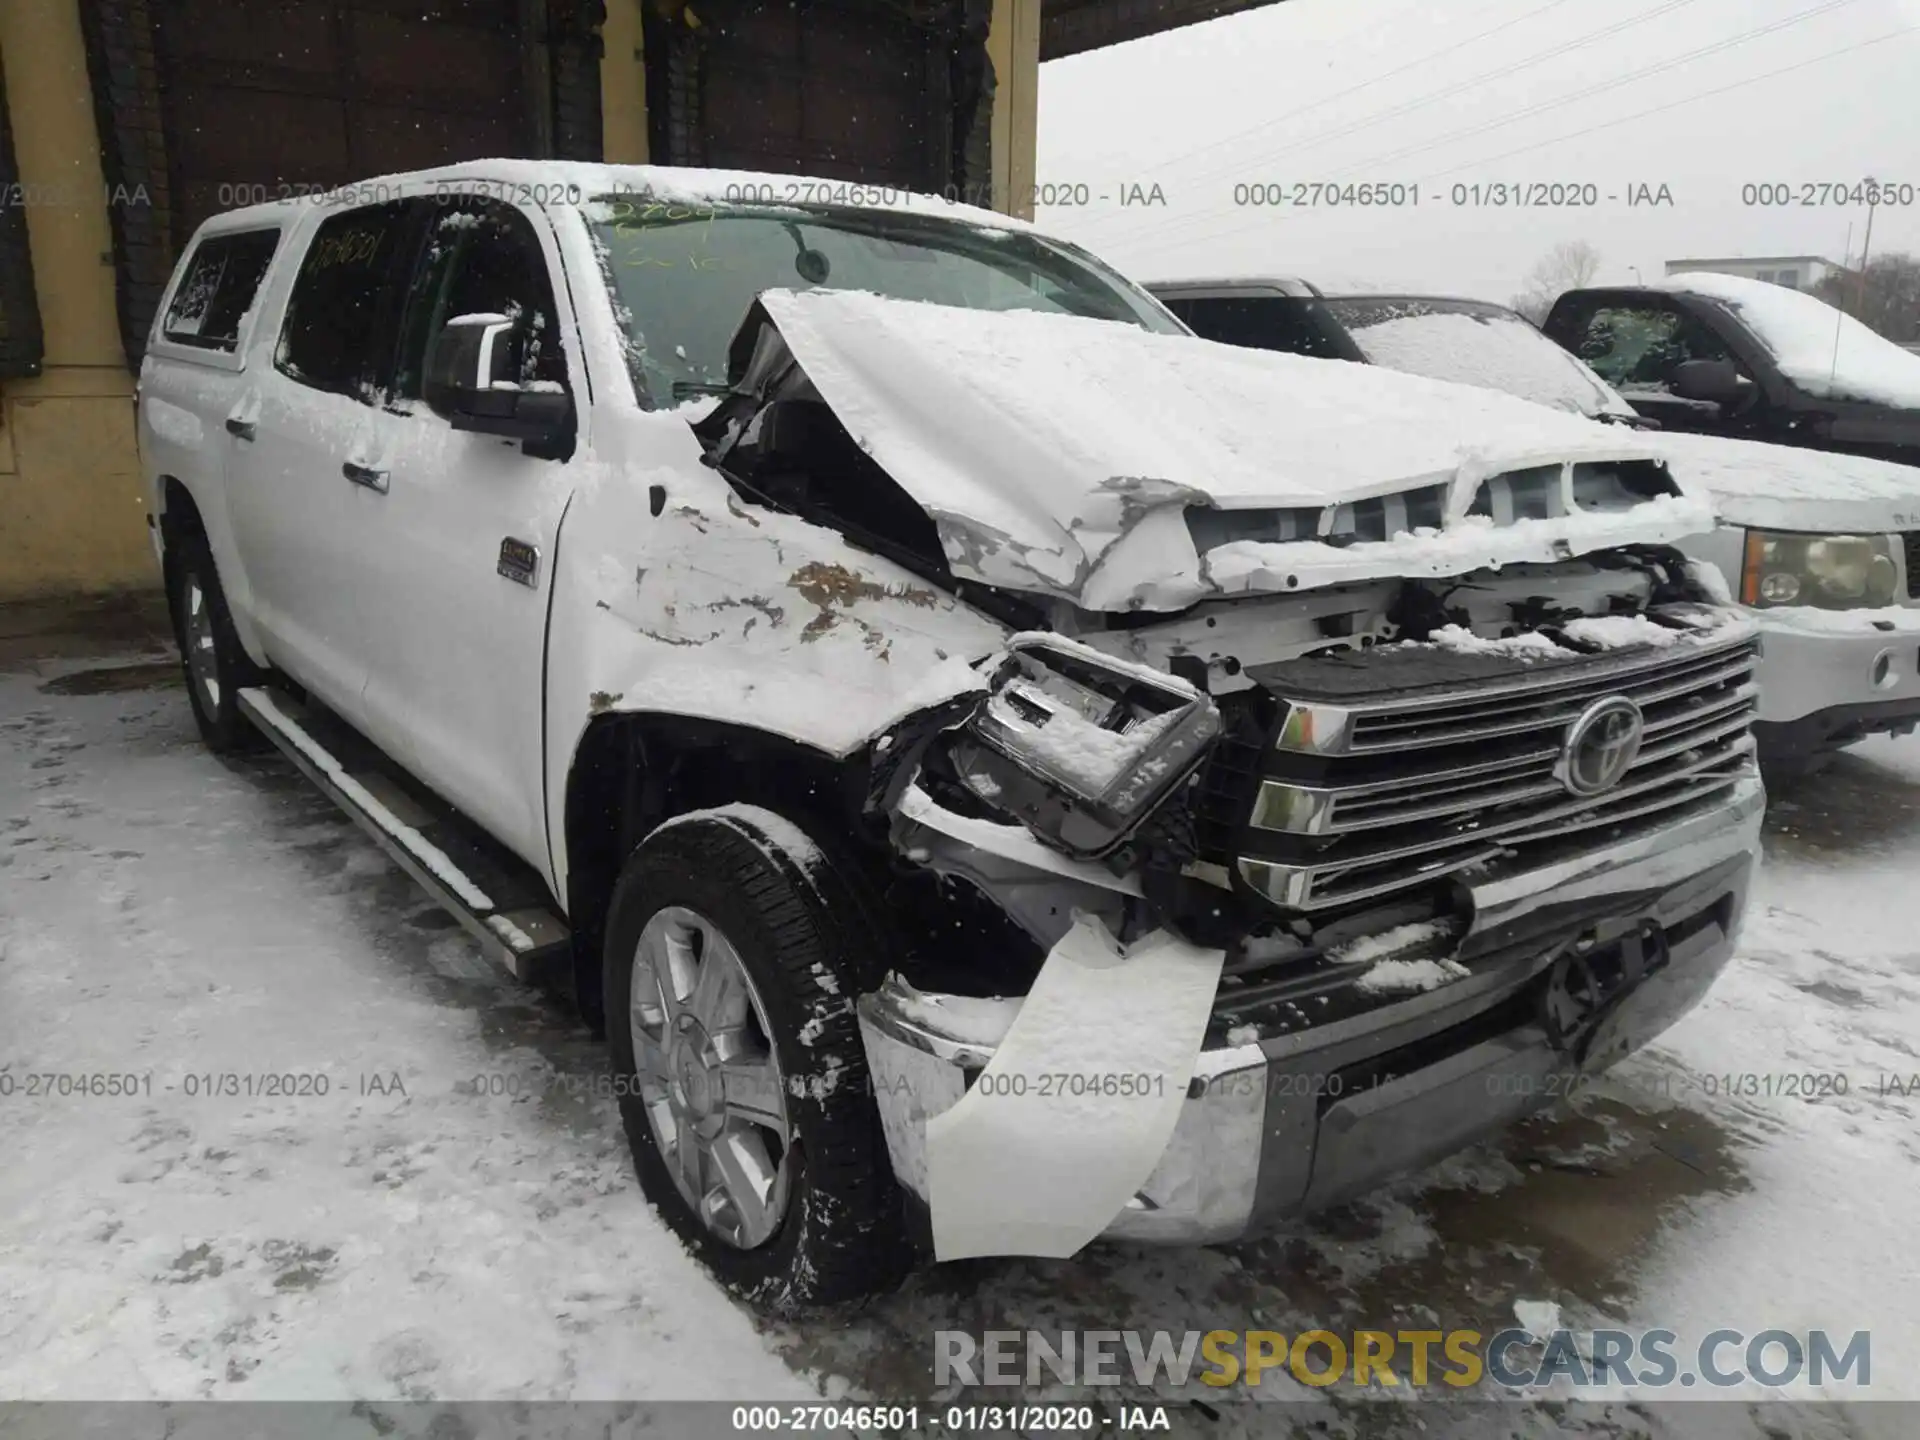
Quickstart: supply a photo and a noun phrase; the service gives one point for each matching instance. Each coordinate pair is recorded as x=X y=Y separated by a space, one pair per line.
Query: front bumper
x=1824 y=687
x=1304 y=1117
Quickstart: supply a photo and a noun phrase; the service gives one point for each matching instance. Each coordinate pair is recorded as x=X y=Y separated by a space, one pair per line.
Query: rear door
x=192 y=373
x=463 y=528
x=302 y=426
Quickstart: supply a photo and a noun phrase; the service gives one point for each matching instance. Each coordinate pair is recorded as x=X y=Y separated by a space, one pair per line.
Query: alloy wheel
x=711 y=1084
x=203 y=660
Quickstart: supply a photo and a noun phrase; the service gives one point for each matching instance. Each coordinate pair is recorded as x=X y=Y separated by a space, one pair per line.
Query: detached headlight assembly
x=1828 y=572
x=1079 y=746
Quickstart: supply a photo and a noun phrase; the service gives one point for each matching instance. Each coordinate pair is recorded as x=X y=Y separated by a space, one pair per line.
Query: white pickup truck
x=1005 y=772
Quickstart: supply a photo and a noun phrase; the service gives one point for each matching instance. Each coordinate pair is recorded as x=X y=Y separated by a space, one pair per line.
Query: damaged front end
x=1304 y=829
x=1363 y=906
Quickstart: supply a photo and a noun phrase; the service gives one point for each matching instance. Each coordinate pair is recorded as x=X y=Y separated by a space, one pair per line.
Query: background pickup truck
x=1003 y=772
x=1822 y=549
x=1724 y=355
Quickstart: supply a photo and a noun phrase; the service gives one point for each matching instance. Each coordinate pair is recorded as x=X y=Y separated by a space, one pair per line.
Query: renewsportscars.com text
x=1655 y=1359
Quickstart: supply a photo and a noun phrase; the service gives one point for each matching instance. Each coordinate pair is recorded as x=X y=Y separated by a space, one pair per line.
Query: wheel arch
x=177 y=506
x=190 y=509
x=634 y=770
x=179 y=518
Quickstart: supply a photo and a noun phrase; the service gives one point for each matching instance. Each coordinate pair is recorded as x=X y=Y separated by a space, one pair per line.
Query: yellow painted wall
x=1013 y=44
x=623 y=85
x=71 y=513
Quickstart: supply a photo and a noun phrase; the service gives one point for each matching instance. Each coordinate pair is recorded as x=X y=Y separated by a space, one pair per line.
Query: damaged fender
x=717 y=609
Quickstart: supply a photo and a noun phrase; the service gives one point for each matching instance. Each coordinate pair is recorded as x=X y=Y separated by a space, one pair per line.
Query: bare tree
x=1885 y=296
x=1568 y=266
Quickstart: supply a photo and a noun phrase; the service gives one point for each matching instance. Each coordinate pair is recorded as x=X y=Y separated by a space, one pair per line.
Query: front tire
x=211 y=656
x=734 y=950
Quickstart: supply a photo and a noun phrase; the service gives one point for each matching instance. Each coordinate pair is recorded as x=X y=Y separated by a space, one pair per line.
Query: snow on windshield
x=1478 y=345
x=1820 y=349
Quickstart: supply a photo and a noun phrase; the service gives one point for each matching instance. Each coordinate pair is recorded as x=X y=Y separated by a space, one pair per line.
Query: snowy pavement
x=355 y=1211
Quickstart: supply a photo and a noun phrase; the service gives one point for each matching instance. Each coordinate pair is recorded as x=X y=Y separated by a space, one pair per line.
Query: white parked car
x=1822 y=549
x=1005 y=772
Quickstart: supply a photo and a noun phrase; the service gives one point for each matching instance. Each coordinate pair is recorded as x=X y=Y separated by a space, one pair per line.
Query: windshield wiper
x=687 y=389
x=1632 y=422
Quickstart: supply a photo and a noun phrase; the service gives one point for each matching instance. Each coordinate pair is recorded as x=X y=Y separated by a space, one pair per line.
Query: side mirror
x=1718 y=381
x=468 y=380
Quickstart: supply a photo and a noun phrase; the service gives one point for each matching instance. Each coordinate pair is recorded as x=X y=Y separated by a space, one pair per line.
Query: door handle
x=365 y=475
x=240 y=429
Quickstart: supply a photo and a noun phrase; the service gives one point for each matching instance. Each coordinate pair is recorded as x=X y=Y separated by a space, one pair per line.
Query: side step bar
x=511 y=923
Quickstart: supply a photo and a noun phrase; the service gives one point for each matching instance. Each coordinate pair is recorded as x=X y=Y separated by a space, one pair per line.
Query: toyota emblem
x=1600 y=746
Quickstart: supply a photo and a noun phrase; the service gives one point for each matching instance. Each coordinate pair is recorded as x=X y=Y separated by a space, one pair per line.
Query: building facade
x=124 y=123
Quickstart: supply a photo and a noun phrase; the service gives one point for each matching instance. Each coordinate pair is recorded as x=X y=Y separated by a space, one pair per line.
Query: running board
x=504 y=911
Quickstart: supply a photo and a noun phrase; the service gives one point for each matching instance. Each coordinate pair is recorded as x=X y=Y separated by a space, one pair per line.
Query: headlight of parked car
x=1829 y=572
x=1079 y=746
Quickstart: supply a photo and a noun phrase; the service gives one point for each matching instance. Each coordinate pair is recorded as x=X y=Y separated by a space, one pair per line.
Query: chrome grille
x=1367 y=795
x=1910 y=542
x=1487 y=717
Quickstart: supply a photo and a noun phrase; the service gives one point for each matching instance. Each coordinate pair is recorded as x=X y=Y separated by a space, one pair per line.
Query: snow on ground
x=167 y=914
x=164 y=912
x=1829 y=983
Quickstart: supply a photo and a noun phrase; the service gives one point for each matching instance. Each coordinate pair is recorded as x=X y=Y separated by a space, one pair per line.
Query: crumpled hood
x=1787 y=487
x=1059 y=454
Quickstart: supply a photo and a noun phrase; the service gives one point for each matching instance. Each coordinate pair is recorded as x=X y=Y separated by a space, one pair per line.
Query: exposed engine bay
x=1214 y=772
x=1318 y=834
x=1137 y=763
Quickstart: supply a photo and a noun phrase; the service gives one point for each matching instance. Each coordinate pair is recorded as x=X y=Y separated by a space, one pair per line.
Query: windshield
x=684 y=276
x=1473 y=343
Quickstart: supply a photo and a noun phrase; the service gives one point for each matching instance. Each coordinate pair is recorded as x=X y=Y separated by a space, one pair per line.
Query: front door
x=466 y=533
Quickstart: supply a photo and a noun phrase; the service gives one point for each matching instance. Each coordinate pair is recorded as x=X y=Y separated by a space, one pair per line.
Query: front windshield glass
x=684 y=276
x=1473 y=343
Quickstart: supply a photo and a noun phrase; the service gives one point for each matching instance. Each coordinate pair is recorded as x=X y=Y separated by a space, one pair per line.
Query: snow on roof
x=1039 y=441
x=568 y=181
x=1333 y=284
x=1822 y=350
x=1677 y=267
x=1327 y=284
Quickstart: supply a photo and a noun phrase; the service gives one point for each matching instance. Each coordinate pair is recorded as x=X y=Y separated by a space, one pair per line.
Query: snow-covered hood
x=1786 y=487
x=1061 y=454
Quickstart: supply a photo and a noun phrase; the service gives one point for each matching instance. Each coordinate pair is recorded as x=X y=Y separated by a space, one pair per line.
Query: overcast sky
x=1397 y=91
